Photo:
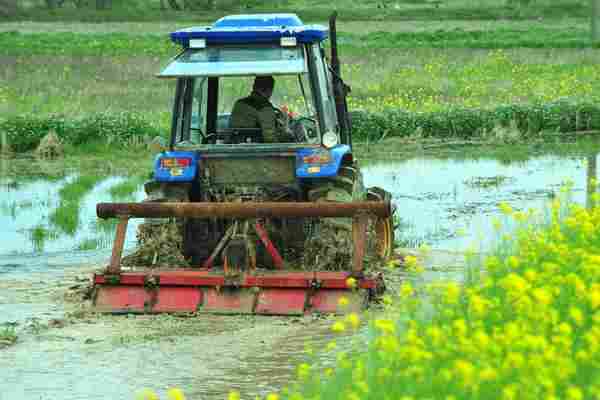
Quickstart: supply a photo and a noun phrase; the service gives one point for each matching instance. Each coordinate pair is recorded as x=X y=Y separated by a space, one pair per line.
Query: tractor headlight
x=330 y=139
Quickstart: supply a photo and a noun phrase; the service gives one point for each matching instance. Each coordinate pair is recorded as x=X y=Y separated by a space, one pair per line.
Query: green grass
x=90 y=244
x=121 y=44
x=414 y=79
x=39 y=235
x=8 y=336
x=66 y=216
x=126 y=189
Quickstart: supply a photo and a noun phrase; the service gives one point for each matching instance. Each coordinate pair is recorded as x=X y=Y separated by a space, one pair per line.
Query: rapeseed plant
x=527 y=330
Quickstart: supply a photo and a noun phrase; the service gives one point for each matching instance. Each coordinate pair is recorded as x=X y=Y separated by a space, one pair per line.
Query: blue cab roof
x=252 y=28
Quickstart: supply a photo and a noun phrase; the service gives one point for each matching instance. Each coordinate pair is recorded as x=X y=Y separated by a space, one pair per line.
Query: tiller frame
x=246 y=290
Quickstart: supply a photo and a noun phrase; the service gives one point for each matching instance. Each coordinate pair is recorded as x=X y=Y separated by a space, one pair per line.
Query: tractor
x=273 y=228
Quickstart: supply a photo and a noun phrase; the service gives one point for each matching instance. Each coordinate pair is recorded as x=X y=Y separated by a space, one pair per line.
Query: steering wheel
x=306 y=128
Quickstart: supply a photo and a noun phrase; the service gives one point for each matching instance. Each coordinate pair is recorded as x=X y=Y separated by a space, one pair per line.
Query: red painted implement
x=246 y=290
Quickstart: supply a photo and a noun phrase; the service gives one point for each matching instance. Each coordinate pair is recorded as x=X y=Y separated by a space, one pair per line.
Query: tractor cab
x=218 y=65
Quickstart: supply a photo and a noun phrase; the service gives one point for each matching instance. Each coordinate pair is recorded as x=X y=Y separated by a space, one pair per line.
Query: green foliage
x=25 y=131
x=115 y=44
x=8 y=336
x=466 y=123
x=138 y=10
x=39 y=235
x=126 y=189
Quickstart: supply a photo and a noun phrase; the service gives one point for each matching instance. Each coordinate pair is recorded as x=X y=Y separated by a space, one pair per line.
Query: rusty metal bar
x=117 y=251
x=381 y=209
x=359 y=238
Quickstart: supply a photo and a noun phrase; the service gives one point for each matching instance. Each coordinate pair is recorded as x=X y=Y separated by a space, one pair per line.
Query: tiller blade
x=269 y=293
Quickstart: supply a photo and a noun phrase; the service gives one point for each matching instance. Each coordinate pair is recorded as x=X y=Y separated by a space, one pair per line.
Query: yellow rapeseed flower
x=303 y=371
x=272 y=396
x=505 y=208
x=385 y=325
x=574 y=393
x=406 y=290
x=410 y=262
x=576 y=315
x=338 y=327
x=488 y=374
x=175 y=394
x=465 y=371
x=343 y=301
x=594 y=296
x=353 y=320
x=496 y=224
x=233 y=395
x=147 y=394
x=509 y=393
x=387 y=299
x=513 y=262
x=452 y=293
x=542 y=296
x=351 y=283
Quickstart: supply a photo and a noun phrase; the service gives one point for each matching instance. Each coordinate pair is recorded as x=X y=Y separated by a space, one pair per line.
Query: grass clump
x=525 y=120
x=39 y=235
x=126 y=189
x=8 y=336
x=524 y=325
x=121 y=128
x=66 y=216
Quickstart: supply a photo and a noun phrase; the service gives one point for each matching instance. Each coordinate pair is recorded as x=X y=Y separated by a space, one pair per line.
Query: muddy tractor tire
x=199 y=235
x=161 y=241
x=330 y=245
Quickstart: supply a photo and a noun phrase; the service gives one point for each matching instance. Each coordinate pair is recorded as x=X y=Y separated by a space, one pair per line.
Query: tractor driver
x=256 y=111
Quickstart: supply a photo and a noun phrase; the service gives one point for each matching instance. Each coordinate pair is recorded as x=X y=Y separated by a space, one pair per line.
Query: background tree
x=52 y=4
x=174 y=5
x=103 y=4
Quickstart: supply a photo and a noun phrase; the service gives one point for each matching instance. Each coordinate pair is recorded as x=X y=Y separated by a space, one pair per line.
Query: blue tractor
x=282 y=225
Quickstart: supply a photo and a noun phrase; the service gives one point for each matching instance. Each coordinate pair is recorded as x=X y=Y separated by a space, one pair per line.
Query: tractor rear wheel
x=330 y=245
x=161 y=241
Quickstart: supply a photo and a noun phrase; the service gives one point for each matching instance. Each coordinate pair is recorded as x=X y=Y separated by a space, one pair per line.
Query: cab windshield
x=292 y=101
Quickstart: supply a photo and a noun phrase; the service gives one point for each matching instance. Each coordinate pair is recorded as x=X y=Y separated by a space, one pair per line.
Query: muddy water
x=450 y=204
x=26 y=208
x=64 y=352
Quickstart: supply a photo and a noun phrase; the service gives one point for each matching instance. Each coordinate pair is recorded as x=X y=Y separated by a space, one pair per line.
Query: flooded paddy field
x=52 y=242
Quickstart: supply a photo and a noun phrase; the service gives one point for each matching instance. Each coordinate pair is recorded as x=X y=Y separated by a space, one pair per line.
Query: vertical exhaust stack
x=340 y=89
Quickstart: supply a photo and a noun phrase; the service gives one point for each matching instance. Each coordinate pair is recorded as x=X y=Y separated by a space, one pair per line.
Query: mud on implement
x=266 y=205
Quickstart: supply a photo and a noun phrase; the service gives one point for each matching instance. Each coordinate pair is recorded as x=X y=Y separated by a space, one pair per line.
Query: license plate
x=176 y=171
